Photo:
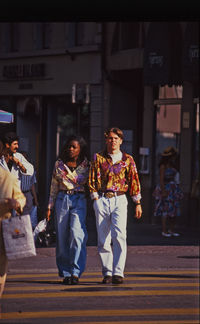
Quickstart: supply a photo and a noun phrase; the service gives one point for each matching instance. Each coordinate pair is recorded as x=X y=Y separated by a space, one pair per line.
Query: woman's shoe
x=74 y=280
x=67 y=281
x=174 y=234
x=166 y=234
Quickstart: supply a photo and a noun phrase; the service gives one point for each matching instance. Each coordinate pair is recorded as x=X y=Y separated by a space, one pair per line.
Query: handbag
x=18 y=237
x=44 y=233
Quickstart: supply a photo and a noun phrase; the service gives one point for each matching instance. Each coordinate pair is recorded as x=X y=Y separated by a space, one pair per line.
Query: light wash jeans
x=111 y=222
x=71 y=234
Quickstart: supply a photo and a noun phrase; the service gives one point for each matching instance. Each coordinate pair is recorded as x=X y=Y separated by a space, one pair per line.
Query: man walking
x=112 y=174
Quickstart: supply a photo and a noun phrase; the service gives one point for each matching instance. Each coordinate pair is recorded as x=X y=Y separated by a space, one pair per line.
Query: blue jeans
x=71 y=234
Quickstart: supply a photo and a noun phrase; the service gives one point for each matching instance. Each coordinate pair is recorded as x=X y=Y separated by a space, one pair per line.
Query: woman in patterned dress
x=167 y=193
x=67 y=197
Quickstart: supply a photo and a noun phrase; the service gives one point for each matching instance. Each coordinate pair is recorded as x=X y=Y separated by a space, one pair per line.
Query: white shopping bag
x=18 y=237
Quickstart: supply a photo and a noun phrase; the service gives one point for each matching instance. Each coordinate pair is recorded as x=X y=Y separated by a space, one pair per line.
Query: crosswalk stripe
x=103 y=312
x=140 y=285
x=103 y=293
x=143 y=322
x=99 y=279
x=30 y=275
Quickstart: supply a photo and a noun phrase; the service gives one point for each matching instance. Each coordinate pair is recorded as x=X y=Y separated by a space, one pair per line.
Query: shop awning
x=162 y=54
x=6 y=117
x=191 y=53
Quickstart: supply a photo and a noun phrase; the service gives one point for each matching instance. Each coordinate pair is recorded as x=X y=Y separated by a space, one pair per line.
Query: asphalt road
x=161 y=286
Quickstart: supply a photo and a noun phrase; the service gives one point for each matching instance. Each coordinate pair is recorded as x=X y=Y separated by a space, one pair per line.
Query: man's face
x=113 y=142
x=13 y=147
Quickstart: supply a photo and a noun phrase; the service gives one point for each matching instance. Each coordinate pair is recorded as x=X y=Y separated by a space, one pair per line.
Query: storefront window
x=71 y=119
x=168 y=121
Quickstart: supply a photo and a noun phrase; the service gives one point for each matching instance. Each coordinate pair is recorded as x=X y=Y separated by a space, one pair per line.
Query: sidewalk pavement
x=139 y=233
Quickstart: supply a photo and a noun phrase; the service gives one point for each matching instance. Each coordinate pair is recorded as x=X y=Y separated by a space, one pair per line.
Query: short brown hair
x=115 y=130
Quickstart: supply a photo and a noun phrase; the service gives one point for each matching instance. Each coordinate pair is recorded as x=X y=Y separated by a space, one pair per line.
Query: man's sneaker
x=174 y=234
x=107 y=280
x=117 y=279
x=166 y=234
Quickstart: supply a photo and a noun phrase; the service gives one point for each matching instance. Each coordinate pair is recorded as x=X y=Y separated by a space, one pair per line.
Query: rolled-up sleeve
x=133 y=180
x=92 y=179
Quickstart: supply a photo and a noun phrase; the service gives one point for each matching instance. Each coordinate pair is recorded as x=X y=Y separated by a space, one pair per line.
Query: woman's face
x=73 y=150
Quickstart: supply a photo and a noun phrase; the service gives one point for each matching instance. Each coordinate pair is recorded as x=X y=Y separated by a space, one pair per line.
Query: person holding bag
x=11 y=197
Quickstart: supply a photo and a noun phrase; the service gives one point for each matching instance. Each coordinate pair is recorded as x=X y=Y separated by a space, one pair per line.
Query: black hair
x=9 y=137
x=83 y=148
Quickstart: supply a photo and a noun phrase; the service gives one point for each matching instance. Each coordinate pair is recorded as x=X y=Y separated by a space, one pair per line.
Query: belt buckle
x=109 y=194
x=70 y=192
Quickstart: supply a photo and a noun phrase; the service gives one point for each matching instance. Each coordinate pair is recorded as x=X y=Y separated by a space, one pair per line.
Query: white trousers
x=111 y=222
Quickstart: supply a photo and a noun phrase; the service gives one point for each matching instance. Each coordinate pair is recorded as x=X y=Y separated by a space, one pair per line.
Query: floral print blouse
x=65 y=179
x=120 y=176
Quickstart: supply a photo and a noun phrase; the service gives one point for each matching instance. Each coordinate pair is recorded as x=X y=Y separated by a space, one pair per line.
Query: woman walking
x=168 y=193
x=67 y=197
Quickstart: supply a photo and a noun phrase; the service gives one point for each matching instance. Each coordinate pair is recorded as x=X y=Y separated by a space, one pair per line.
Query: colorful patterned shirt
x=120 y=176
x=65 y=179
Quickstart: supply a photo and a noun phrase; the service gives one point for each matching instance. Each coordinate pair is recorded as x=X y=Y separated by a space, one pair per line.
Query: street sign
x=81 y=93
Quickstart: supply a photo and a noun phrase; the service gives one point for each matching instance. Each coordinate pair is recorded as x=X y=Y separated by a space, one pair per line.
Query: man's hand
x=138 y=211
x=18 y=163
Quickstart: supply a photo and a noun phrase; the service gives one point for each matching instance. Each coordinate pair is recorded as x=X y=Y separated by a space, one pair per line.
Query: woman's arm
x=162 y=183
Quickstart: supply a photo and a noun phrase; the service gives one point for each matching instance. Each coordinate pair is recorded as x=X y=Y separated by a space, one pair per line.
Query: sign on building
x=81 y=93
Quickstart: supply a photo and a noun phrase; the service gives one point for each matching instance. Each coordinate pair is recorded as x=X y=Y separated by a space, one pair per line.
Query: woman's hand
x=48 y=214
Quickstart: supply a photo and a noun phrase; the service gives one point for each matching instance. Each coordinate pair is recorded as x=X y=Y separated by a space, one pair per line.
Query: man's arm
x=135 y=188
x=24 y=166
x=92 y=179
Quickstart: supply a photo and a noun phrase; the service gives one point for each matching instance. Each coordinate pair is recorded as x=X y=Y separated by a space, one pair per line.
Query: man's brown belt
x=111 y=194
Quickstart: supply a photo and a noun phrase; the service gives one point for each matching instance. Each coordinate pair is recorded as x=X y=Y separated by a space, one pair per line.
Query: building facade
x=64 y=77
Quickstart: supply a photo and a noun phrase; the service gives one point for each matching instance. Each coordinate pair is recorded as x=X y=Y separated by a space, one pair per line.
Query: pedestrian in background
x=18 y=165
x=28 y=187
x=168 y=193
x=12 y=160
x=68 y=198
x=11 y=198
x=112 y=174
